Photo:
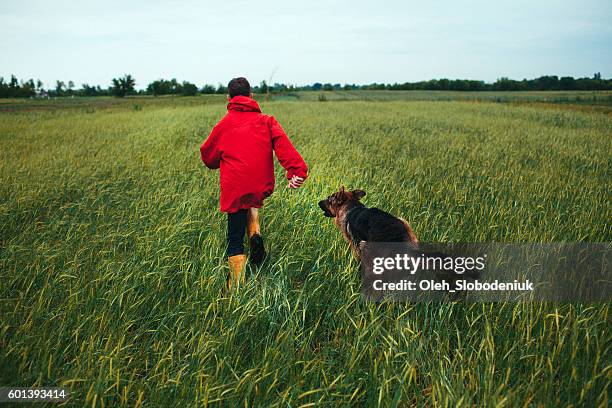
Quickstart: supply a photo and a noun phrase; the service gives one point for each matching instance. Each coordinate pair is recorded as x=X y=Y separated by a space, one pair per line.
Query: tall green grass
x=112 y=259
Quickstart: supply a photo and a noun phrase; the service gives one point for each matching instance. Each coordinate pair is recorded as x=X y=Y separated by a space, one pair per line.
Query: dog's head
x=333 y=204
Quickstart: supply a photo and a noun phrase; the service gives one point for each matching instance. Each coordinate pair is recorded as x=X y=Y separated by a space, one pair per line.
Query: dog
x=360 y=224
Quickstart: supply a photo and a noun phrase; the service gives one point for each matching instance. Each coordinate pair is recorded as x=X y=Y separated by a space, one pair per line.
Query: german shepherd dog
x=359 y=223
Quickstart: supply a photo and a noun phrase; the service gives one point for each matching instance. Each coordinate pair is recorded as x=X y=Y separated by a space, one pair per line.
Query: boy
x=241 y=145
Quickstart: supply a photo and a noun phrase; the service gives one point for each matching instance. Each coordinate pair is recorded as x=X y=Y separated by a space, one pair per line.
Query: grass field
x=112 y=267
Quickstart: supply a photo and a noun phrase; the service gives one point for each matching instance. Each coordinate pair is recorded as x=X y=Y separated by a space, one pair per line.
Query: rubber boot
x=236 y=273
x=257 y=251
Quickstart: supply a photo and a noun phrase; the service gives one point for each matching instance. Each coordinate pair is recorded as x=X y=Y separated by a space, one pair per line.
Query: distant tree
x=280 y=87
x=60 y=86
x=263 y=87
x=29 y=88
x=373 y=86
x=16 y=89
x=155 y=88
x=221 y=89
x=208 y=89
x=123 y=86
x=174 y=87
x=546 y=83
x=87 y=90
x=14 y=84
x=567 y=83
x=165 y=87
x=503 y=84
x=189 y=89
x=25 y=89
x=477 y=86
x=70 y=87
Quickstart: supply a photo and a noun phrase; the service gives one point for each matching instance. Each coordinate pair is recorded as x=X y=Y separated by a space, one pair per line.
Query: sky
x=303 y=42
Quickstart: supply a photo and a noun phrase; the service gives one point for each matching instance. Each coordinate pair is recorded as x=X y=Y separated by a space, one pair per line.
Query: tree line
x=120 y=87
x=126 y=85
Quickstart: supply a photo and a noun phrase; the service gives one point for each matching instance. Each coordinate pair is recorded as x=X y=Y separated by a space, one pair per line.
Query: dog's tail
x=411 y=235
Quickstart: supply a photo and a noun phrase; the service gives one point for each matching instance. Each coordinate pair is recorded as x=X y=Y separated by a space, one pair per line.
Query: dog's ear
x=358 y=194
x=342 y=189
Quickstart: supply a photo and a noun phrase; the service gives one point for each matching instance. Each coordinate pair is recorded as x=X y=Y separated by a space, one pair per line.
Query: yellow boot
x=257 y=252
x=236 y=273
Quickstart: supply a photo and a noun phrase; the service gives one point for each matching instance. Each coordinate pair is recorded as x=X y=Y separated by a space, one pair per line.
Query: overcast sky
x=303 y=42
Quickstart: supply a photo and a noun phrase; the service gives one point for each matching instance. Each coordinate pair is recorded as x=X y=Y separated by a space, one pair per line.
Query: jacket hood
x=243 y=104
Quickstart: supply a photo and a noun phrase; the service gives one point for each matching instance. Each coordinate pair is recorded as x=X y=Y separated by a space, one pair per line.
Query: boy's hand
x=296 y=182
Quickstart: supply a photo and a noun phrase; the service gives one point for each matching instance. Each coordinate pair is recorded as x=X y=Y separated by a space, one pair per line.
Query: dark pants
x=236 y=228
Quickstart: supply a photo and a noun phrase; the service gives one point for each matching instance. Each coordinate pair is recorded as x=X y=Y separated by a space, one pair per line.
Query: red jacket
x=241 y=145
